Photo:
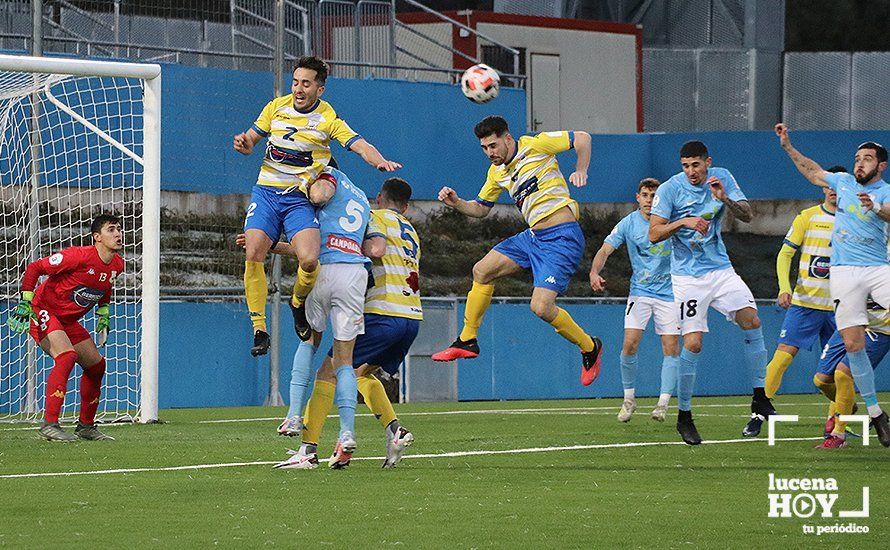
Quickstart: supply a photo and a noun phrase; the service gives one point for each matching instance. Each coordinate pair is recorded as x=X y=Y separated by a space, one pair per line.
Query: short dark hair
x=880 y=150
x=397 y=190
x=648 y=183
x=315 y=64
x=100 y=221
x=837 y=169
x=693 y=149
x=491 y=125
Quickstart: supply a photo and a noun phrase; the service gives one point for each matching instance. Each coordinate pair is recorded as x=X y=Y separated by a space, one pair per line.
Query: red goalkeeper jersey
x=77 y=280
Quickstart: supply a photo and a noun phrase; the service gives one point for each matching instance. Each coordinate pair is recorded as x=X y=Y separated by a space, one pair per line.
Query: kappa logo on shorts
x=551 y=279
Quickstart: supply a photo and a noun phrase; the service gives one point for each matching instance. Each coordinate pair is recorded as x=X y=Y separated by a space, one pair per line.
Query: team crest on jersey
x=91 y=271
x=55 y=259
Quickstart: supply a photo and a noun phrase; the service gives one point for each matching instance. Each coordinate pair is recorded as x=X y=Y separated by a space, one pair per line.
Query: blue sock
x=755 y=356
x=300 y=378
x=669 y=374
x=686 y=379
x=628 y=370
x=864 y=376
x=346 y=398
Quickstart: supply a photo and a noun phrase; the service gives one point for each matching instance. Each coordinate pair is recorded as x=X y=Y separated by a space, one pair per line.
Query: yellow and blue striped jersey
x=298 y=144
x=532 y=177
x=396 y=288
x=811 y=234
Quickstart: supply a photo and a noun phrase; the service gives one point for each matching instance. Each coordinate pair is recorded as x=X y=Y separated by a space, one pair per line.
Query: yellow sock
x=832 y=408
x=567 y=328
x=477 y=302
x=846 y=397
x=256 y=291
x=317 y=410
x=304 y=284
x=376 y=399
x=775 y=370
x=828 y=389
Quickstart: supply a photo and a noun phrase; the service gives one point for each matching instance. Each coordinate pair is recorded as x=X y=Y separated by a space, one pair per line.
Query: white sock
x=629 y=394
x=873 y=410
x=664 y=399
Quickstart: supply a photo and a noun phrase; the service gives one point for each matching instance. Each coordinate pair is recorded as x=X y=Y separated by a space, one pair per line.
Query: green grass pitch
x=658 y=494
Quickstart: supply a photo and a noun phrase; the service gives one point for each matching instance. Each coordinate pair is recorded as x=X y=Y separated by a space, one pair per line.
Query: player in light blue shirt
x=688 y=209
x=339 y=293
x=650 y=294
x=859 y=259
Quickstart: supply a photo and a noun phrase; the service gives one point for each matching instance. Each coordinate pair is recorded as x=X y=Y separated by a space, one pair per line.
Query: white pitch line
x=455 y=454
x=566 y=410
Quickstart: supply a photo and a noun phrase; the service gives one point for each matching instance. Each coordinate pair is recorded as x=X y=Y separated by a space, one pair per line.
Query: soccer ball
x=480 y=83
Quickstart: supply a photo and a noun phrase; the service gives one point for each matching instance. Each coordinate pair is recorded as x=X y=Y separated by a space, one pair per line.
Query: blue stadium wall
x=208 y=364
x=428 y=127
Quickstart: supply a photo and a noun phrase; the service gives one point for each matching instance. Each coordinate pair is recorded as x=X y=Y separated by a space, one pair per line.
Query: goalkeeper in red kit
x=78 y=279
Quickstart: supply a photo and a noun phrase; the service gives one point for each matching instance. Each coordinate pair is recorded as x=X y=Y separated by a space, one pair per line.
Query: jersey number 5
x=355 y=212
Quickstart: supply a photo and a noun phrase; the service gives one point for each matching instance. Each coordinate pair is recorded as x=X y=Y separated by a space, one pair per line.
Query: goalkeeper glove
x=21 y=316
x=102 y=323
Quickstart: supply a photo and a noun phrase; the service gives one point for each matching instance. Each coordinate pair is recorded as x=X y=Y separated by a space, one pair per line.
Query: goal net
x=77 y=139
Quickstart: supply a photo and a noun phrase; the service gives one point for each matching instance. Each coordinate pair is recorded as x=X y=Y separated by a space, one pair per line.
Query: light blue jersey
x=343 y=221
x=695 y=254
x=859 y=238
x=651 y=263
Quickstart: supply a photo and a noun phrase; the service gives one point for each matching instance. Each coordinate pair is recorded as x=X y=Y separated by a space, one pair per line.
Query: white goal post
x=78 y=138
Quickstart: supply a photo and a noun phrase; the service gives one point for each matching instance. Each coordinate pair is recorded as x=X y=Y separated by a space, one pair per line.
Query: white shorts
x=640 y=309
x=851 y=285
x=722 y=290
x=339 y=292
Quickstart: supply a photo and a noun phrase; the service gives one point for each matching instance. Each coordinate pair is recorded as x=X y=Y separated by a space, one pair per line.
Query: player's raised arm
x=372 y=156
x=809 y=168
x=474 y=209
x=597 y=283
x=581 y=143
x=882 y=210
x=244 y=142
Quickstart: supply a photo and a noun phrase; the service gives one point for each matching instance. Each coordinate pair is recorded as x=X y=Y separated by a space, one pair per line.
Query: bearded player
x=79 y=278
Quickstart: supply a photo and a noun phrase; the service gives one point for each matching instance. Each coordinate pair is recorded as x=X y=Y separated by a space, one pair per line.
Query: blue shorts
x=802 y=325
x=553 y=254
x=272 y=212
x=876 y=347
x=385 y=342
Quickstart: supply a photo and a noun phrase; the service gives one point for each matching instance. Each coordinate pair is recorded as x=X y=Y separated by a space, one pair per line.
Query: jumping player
x=552 y=246
x=650 y=295
x=860 y=264
x=79 y=278
x=688 y=209
x=299 y=127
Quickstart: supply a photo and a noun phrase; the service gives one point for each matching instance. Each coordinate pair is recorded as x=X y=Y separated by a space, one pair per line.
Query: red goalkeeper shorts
x=46 y=322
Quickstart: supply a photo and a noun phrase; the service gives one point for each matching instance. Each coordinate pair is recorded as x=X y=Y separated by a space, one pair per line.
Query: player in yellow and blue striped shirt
x=299 y=128
x=810 y=312
x=551 y=247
